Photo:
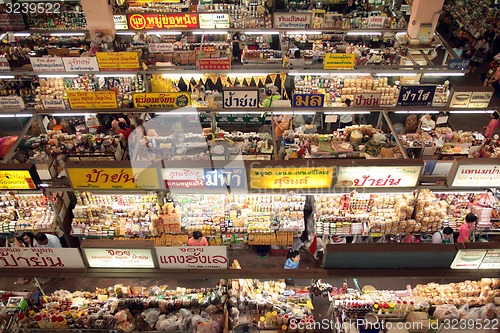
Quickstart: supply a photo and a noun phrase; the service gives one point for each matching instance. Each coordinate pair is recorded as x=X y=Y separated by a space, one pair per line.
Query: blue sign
x=462 y=64
x=308 y=100
x=223 y=178
x=421 y=95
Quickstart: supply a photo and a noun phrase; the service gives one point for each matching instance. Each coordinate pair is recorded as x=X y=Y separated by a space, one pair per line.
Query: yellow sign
x=162 y=100
x=118 y=61
x=113 y=178
x=16 y=180
x=339 y=61
x=92 y=99
x=288 y=178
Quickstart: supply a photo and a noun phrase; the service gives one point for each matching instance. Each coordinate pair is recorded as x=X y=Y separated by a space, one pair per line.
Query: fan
x=399 y=129
x=246 y=328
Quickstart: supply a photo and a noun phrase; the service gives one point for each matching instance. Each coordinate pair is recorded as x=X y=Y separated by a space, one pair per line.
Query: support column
x=99 y=16
x=423 y=20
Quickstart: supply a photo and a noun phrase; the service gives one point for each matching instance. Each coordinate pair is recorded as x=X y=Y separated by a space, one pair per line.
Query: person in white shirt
x=444 y=236
x=346 y=119
x=47 y=240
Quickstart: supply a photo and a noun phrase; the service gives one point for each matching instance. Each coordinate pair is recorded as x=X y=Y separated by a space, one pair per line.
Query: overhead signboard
x=418 y=95
x=470 y=97
x=477 y=175
x=33 y=257
x=367 y=99
x=214 y=64
x=92 y=99
x=155 y=21
x=120 y=22
x=119 y=258
x=19 y=179
x=204 y=178
x=214 y=20
x=292 y=20
x=11 y=102
x=308 y=100
x=113 y=178
x=193 y=257
x=460 y=64
x=378 y=176
x=339 y=61
x=239 y=98
x=118 y=61
x=162 y=100
x=47 y=64
x=291 y=178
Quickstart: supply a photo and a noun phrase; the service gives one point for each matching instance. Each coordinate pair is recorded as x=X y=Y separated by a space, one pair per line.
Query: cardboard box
x=47 y=170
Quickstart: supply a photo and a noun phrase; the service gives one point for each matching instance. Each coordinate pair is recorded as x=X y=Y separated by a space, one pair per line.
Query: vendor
x=427 y=122
x=346 y=119
x=282 y=124
x=444 y=236
x=309 y=127
x=272 y=95
x=467 y=229
x=197 y=239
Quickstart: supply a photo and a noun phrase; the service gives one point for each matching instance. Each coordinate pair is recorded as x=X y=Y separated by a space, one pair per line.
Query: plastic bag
x=123 y=315
x=126 y=326
x=151 y=316
x=463 y=310
x=488 y=312
x=472 y=314
x=446 y=311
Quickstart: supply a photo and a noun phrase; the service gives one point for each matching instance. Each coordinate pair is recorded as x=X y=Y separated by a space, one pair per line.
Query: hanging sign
x=161 y=47
x=378 y=176
x=120 y=22
x=119 y=258
x=11 y=22
x=18 y=180
x=162 y=100
x=462 y=64
x=291 y=20
x=477 y=175
x=214 y=20
x=193 y=257
x=214 y=64
x=339 y=61
x=162 y=21
x=376 y=22
x=421 y=95
x=471 y=99
x=406 y=9
x=47 y=64
x=32 y=257
x=113 y=178
x=92 y=100
x=308 y=100
x=291 y=178
x=80 y=64
x=118 y=61
x=11 y=102
x=4 y=65
x=240 y=99
x=53 y=104
x=367 y=99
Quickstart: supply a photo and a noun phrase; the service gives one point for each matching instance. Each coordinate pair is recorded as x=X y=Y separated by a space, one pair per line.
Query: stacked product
x=26 y=212
x=430 y=213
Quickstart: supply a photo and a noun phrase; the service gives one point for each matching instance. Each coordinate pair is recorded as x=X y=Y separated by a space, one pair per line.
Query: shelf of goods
x=400 y=214
x=224 y=219
x=26 y=213
x=432 y=304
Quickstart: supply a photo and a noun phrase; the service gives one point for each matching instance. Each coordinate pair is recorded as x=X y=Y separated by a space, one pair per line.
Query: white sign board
x=480 y=99
x=236 y=99
x=120 y=22
x=214 y=20
x=47 y=64
x=476 y=259
x=367 y=99
x=77 y=64
x=477 y=175
x=376 y=22
x=183 y=178
x=193 y=257
x=33 y=257
x=11 y=102
x=4 y=65
x=161 y=47
x=491 y=260
x=53 y=104
x=119 y=258
x=378 y=176
x=292 y=20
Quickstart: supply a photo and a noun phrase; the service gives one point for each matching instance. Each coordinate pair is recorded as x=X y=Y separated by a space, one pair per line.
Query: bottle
x=391 y=307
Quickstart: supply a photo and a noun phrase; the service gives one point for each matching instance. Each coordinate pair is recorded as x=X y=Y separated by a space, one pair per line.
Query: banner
x=291 y=178
x=192 y=257
x=92 y=99
x=339 y=61
x=118 y=61
x=421 y=95
x=213 y=64
x=162 y=100
x=113 y=178
x=162 y=21
x=291 y=20
x=33 y=257
x=47 y=64
x=83 y=64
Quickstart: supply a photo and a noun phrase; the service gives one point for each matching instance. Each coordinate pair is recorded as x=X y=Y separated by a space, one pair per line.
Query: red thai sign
x=162 y=21
x=210 y=64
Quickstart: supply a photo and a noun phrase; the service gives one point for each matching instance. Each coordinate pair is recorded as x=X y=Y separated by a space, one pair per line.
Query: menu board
x=119 y=258
x=378 y=176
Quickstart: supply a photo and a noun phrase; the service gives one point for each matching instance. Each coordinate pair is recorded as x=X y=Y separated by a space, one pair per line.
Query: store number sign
x=477 y=175
x=191 y=257
x=291 y=178
x=40 y=258
x=119 y=258
x=379 y=176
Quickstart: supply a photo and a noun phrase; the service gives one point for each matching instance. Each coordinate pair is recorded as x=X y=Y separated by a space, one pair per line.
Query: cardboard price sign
x=92 y=99
x=212 y=64
x=118 y=61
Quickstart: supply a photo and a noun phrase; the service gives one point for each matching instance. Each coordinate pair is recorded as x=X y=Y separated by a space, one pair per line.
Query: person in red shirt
x=197 y=240
x=124 y=130
x=467 y=229
x=491 y=129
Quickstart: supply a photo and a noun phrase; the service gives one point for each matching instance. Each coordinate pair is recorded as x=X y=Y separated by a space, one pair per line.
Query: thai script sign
x=477 y=175
x=83 y=64
x=240 y=99
x=192 y=257
x=118 y=61
x=53 y=104
x=376 y=22
x=339 y=61
x=212 y=64
x=9 y=22
x=214 y=20
x=469 y=99
x=32 y=257
x=162 y=100
x=119 y=258
x=161 y=47
x=11 y=102
x=292 y=20
x=462 y=64
x=120 y=22
x=291 y=178
x=16 y=180
x=113 y=178
x=367 y=99
x=92 y=99
x=162 y=21
x=47 y=64
x=421 y=95
x=308 y=100
x=379 y=176
x=201 y=178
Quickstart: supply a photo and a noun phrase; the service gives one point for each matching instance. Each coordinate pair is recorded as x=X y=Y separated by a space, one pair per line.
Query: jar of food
x=356 y=137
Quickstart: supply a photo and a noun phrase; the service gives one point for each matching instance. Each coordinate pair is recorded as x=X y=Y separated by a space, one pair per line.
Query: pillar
x=99 y=16
x=423 y=20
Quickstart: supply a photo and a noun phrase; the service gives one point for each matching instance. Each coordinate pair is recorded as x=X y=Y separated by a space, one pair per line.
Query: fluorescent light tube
x=23 y=115
x=263 y=32
x=310 y=113
x=180 y=113
x=444 y=74
x=210 y=32
x=304 y=32
x=161 y=33
x=22 y=34
x=396 y=74
x=7 y=77
x=471 y=111
x=7 y=115
x=416 y=112
x=58 y=76
x=67 y=34
x=347 y=112
x=71 y=114
x=115 y=75
x=125 y=33
x=246 y=74
x=363 y=33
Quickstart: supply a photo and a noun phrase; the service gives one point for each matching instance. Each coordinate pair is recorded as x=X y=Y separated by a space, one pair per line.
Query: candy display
x=26 y=212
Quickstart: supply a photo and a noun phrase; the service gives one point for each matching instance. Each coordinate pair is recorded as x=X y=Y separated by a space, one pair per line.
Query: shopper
x=444 y=236
x=309 y=127
x=467 y=229
x=293 y=260
x=47 y=240
x=124 y=130
x=491 y=129
x=27 y=239
x=197 y=239
x=346 y=119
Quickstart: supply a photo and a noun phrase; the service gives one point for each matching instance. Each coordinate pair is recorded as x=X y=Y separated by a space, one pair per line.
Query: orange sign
x=16 y=180
x=162 y=21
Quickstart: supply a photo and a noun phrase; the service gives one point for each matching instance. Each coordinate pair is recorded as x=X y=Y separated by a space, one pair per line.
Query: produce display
x=26 y=212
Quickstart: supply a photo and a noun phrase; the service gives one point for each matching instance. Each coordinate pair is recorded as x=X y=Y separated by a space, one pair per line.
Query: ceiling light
x=59 y=76
x=19 y=115
x=471 y=111
x=125 y=33
x=161 y=33
x=416 y=112
x=444 y=74
x=67 y=34
x=363 y=33
x=263 y=32
x=7 y=77
x=210 y=32
x=396 y=74
x=22 y=34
